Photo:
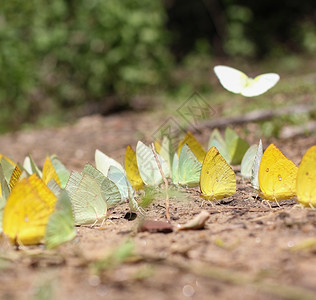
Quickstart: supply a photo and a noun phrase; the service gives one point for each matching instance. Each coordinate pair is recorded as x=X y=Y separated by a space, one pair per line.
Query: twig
x=254 y=116
x=164 y=179
x=288 y=132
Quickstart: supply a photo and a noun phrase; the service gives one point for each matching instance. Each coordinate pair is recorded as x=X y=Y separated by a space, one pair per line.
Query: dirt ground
x=246 y=251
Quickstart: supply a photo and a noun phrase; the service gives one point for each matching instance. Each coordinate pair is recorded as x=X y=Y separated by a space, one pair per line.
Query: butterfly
x=124 y=186
x=11 y=174
x=247 y=163
x=175 y=169
x=103 y=162
x=147 y=165
x=165 y=150
x=30 y=166
x=49 y=172
x=238 y=82
x=277 y=175
x=88 y=201
x=255 y=167
x=186 y=169
x=62 y=172
x=109 y=190
x=53 y=169
x=194 y=145
x=131 y=169
x=27 y=211
x=61 y=224
x=217 y=179
x=306 y=179
x=233 y=148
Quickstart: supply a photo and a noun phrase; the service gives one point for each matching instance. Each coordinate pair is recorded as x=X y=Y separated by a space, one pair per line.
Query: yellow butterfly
x=131 y=169
x=277 y=175
x=49 y=172
x=217 y=179
x=157 y=145
x=27 y=211
x=194 y=145
x=306 y=179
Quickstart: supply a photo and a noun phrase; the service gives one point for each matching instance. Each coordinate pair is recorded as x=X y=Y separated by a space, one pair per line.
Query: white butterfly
x=238 y=82
x=255 y=167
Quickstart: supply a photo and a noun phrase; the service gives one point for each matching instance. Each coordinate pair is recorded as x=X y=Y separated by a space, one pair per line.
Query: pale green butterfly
x=175 y=169
x=238 y=82
x=233 y=148
x=103 y=162
x=61 y=224
x=166 y=151
x=219 y=143
x=147 y=165
x=30 y=166
x=7 y=168
x=247 y=162
x=124 y=186
x=189 y=168
x=5 y=191
x=61 y=170
x=89 y=205
x=255 y=167
x=109 y=190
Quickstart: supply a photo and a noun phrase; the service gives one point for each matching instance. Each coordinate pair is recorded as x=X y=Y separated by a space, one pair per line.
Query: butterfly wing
x=175 y=169
x=306 y=179
x=30 y=166
x=49 y=172
x=121 y=181
x=61 y=225
x=109 y=190
x=217 y=141
x=166 y=151
x=131 y=169
x=235 y=145
x=103 y=162
x=231 y=79
x=194 y=145
x=260 y=84
x=61 y=170
x=255 y=167
x=217 y=179
x=88 y=204
x=189 y=168
x=277 y=175
x=247 y=161
x=27 y=211
x=147 y=165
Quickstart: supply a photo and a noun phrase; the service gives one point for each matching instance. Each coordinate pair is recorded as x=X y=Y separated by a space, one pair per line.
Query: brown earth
x=247 y=251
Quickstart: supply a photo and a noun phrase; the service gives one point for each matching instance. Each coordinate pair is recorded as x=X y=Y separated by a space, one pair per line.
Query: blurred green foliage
x=242 y=28
x=65 y=56
x=65 y=53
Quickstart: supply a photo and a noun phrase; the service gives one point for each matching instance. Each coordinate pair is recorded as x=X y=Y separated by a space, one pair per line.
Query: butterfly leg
x=95 y=222
x=203 y=204
x=267 y=202
x=103 y=221
x=277 y=202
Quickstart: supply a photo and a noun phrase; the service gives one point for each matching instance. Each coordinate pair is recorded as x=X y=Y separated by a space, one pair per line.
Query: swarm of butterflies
x=44 y=206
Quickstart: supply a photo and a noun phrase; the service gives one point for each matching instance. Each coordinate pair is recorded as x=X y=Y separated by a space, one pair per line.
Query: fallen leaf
x=198 y=222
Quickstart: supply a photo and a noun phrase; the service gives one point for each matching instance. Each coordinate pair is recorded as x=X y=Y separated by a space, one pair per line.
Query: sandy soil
x=247 y=251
